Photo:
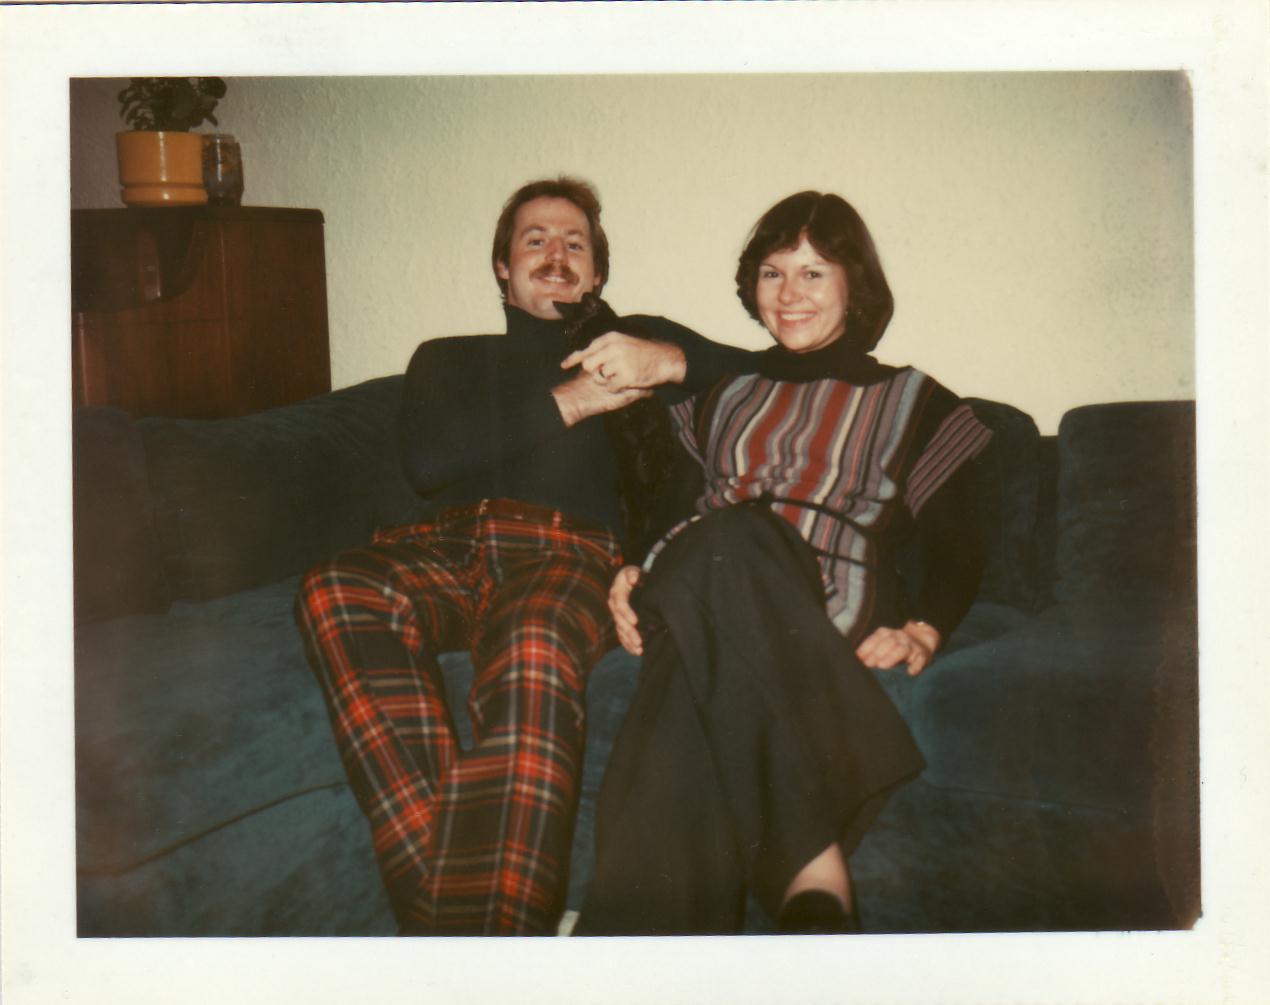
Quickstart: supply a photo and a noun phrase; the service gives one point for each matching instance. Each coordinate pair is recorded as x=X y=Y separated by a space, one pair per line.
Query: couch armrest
x=118 y=567
x=246 y=501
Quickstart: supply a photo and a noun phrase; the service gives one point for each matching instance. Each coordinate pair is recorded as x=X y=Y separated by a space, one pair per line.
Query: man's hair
x=839 y=235
x=576 y=191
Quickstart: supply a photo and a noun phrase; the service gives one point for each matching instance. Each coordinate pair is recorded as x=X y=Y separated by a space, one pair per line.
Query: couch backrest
x=1126 y=503
x=1012 y=474
x=191 y=509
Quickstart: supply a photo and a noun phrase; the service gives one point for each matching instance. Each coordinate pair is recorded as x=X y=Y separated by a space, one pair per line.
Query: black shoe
x=816 y=912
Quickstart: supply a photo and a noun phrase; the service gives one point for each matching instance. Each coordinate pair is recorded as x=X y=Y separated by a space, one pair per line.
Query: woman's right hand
x=622 y=611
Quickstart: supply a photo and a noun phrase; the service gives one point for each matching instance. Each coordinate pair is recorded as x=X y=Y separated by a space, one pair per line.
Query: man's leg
x=502 y=844
x=373 y=619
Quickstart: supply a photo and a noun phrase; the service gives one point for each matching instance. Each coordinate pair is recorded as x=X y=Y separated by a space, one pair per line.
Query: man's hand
x=622 y=361
x=623 y=613
x=914 y=644
x=582 y=396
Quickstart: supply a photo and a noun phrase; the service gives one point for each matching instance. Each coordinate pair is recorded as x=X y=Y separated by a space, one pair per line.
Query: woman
x=759 y=748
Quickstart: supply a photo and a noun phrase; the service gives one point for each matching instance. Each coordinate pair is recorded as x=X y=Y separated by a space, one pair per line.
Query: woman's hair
x=838 y=234
x=575 y=191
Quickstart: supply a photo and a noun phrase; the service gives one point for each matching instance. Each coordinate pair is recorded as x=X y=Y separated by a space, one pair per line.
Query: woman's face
x=802 y=298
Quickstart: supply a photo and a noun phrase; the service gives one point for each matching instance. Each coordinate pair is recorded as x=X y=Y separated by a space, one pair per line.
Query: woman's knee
x=740 y=548
x=735 y=532
x=732 y=528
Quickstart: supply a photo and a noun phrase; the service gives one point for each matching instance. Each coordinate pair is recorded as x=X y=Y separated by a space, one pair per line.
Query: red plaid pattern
x=468 y=842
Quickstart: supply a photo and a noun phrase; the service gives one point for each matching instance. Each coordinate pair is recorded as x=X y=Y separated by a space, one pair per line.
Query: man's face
x=550 y=257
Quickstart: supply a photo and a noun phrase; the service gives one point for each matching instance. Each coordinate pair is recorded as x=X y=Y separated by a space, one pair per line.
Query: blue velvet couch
x=1060 y=723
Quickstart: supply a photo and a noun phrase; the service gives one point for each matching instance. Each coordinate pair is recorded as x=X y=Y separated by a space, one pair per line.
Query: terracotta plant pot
x=161 y=168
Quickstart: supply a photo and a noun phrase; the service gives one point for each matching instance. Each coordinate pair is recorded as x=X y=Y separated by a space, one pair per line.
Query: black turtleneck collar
x=839 y=360
x=520 y=322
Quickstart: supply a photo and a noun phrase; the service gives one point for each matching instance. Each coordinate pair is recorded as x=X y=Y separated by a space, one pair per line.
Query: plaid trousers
x=468 y=842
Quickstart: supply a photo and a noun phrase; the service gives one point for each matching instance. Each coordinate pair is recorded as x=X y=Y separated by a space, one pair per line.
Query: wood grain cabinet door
x=204 y=312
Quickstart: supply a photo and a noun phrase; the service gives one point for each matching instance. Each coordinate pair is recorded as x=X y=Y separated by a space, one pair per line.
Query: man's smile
x=556 y=275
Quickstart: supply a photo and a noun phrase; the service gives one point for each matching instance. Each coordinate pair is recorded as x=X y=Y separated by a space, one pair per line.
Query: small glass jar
x=222 y=170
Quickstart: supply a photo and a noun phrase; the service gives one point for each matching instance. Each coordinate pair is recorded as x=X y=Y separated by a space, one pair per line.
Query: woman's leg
x=761 y=709
x=826 y=872
x=820 y=899
x=667 y=859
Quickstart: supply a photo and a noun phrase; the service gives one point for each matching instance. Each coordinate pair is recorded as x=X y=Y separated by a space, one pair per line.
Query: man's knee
x=332 y=577
x=311 y=598
x=354 y=587
x=544 y=649
x=570 y=622
x=537 y=651
x=315 y=582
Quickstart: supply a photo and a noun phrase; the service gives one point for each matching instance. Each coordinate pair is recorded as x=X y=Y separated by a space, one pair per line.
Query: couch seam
x=205 y=832
x=1026 y=800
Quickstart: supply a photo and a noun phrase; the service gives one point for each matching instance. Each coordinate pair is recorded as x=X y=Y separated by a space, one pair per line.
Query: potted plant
x=160 y=160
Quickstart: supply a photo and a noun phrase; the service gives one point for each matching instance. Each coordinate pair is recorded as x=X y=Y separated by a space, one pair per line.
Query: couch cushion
x=1126 y=501
x=209 y=715
x=191 y=719
x=985 y=620
x=942 y=860
x=118 y=569
x=246 y=501
x=302 y=867
x=1073 y=708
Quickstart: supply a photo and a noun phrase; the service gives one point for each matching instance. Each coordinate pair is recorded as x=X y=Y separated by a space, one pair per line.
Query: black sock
x=815 y=912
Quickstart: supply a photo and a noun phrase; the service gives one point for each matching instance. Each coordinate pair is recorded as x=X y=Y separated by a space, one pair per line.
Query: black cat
x=641 y=434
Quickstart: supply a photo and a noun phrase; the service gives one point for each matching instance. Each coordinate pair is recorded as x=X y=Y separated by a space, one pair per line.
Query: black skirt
x=754 y=741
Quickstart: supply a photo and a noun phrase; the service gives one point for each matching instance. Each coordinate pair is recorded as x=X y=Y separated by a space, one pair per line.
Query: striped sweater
x=850 y=466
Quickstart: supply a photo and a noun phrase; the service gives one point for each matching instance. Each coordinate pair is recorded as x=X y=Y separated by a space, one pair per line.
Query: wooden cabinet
x=201 y=312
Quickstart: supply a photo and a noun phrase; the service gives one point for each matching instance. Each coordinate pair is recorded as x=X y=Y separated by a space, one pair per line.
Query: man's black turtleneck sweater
x=478 y=420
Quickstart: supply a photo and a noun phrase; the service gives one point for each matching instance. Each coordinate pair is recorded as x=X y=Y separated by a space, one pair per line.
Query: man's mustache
x=556 y=271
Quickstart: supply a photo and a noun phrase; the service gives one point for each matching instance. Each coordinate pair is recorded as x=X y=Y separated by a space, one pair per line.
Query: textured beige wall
x=1036 y=228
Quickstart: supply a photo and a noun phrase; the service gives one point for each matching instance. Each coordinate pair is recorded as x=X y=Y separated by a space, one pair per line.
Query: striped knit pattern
x=468 y=842
x=874 y=454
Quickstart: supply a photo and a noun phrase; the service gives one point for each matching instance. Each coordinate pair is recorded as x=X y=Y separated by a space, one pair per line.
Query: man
x=514 y=566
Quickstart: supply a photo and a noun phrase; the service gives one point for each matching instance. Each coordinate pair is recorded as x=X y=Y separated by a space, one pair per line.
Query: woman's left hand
x=914 y=644
x=620 y=361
